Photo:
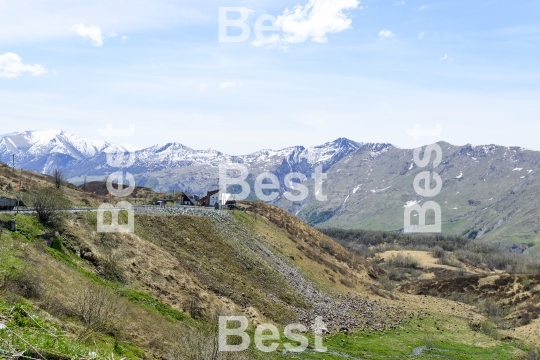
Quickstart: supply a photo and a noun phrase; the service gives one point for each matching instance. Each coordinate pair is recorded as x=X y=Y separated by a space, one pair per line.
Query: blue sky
x=471 y=66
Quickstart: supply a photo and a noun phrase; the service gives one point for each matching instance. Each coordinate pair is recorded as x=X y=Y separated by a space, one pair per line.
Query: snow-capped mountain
x=165 y=165
x=43 y=151
x=488 y=191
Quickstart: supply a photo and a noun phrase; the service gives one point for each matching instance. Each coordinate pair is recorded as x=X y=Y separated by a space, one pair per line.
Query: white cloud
x=11 y=66
x=315 y=20
x=28 y=21
x=203 y=86
x=124 y=38
x=421 y=35
x=230 y=84
x=113 y=34
x=446 y=58
x=423 y=7
x=386 y=34
x=91 y=32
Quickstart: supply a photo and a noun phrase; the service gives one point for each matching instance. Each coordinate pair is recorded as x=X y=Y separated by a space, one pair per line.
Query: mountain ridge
x=489 y=191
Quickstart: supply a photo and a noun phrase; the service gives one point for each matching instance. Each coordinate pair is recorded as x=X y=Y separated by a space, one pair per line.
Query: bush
x=526 y=283
x=48 y=204
x=448 y=261
x=525 y=319
x=347 y=283
x=397 y=275
x=412 y=241
x=487 y=328
x=57 y=244
x=438 y=252
x=111 y=268
x=492 y=309
x=99 y=309
x=402 y=261
x=429 y=342
x=473 y=252
x=25 y=284
x=203 y=344
x=387 y=284
x=532 y=354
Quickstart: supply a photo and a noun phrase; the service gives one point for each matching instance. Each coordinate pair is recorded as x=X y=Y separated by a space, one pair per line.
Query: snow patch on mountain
x=411 y=203
x=380 y=190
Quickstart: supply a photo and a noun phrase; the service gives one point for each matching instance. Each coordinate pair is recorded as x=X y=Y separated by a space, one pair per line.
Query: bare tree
x=48 y=203
x=59 y=178
x=197 y=345
x=100 y=310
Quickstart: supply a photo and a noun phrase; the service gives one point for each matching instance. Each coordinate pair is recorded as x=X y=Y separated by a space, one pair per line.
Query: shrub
x=525 y=319
x=194 y=307
x=526 y=283
x=57 y=244
x=438 y=252
x=111 y=268
x=387 y=284
x=487 y=328
x=203 y=344
x=347 y=283
x=448 y=261
x=532 y=354
x=24 y=283
x=48 y=204
x=492 y=309
x=429 y=342
x=402 y=261
x=99 y=309
x=397 y=275
x=59 y=178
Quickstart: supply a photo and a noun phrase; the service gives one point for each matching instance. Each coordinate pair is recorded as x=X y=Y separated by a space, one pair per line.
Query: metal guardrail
x=135 y=207
x=27 y=210
x=164 y=207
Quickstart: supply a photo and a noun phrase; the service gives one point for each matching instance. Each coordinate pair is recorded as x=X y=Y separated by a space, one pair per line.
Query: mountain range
x=489 y=191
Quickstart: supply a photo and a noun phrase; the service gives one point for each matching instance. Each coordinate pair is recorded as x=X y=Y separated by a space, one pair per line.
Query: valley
x=163 y=286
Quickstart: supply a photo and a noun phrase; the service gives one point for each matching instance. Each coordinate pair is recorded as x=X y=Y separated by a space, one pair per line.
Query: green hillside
x=489 y=192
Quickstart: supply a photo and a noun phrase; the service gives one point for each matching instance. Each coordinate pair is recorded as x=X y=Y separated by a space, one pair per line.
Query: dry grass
x=320 y=258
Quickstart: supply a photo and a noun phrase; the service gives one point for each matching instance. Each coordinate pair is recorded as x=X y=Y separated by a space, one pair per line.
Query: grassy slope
x=173 y=259
x=32 y=182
